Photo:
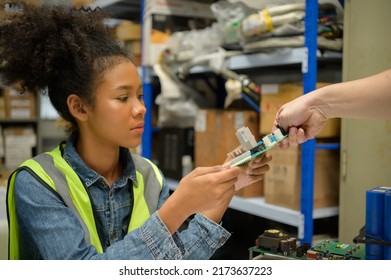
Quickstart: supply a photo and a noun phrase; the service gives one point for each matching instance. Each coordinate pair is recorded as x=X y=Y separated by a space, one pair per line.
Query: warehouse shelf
x=280 y=57
x=307 y=57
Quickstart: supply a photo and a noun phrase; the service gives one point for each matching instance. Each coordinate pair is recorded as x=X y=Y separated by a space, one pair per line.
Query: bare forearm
x=368 y=98
x=174 y=214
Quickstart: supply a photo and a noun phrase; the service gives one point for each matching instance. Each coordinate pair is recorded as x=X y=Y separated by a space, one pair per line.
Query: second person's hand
x=300 y=119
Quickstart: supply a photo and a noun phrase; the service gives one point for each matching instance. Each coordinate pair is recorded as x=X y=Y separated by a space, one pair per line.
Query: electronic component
x=273 y=244
x=250 y=149
x=332 y=250
x=376 y=233
x=276 y=242
x=246 y=138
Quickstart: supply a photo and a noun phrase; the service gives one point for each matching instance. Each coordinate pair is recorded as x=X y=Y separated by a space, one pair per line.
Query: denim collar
x=88 y=175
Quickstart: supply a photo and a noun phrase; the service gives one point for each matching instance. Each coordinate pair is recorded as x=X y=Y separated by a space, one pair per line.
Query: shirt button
x=222 y=240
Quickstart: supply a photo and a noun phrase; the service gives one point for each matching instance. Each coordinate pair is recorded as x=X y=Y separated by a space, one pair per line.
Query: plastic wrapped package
x=186 y=45
x=177 y=106
x=176 y=112
x=229 y=15
x=282 y=26
x=268 y=19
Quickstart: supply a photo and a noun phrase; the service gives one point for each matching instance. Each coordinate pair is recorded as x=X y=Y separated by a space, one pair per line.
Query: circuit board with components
x=275 y=245
x=250 y=149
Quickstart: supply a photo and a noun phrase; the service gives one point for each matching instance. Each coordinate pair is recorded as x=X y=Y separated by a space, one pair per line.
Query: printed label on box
x=200 y=124
x=269 y=89
x=20 y=113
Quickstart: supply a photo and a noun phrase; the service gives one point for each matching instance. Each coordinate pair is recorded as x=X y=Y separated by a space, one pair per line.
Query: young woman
x=90 y=198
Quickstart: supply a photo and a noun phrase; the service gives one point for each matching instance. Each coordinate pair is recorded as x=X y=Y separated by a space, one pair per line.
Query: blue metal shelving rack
x=146 y=75
x=309 y=70
x=146 y=142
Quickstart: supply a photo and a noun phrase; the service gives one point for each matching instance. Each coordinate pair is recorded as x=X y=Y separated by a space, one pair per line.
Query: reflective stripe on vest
x=58 y=175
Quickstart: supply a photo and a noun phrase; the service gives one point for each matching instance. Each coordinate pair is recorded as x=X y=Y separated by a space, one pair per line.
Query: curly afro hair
x=56 y=49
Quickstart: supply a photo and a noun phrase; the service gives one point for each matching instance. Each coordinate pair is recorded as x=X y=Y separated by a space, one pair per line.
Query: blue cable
x=252 y=103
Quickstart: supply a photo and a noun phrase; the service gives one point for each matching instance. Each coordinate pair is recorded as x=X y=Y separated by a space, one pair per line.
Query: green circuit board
x=323 y=250
x=339 y=249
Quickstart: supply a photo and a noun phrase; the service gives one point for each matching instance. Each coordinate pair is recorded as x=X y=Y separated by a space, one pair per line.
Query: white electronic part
x=278 y=134
x=239 y=160
x=246 y=138
x=267 y=141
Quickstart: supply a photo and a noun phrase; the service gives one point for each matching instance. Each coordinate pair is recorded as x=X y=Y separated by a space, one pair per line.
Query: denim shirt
x=49 y=229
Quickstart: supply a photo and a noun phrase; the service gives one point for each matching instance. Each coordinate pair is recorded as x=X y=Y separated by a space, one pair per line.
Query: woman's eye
x=140 y=96
x=123 y=98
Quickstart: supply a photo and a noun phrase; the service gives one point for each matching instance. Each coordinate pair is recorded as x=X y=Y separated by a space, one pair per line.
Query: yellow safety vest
x=56 y=174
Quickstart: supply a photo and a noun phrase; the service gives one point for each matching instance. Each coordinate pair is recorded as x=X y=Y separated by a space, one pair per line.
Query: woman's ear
x=76 y=107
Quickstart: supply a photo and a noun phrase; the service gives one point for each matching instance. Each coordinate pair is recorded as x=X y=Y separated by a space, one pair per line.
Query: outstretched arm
x=366 y=98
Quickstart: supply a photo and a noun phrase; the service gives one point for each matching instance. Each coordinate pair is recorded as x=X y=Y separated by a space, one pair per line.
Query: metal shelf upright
x=146 y=75
x=309 y=69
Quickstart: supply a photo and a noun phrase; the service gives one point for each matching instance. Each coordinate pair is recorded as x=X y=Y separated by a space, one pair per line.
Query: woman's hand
x=254 y=171
x=207 y=187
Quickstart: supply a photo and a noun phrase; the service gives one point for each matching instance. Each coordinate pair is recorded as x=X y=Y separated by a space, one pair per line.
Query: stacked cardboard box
x=215 y=137
x=283 y=181
x=129 y=33
x=19 y=104
x=18 y=145
x=81 y=3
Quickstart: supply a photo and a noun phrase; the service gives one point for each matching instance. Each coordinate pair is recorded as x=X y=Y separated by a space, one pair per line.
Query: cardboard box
x=19 y=143
x=81 y=3
x=215 y=137
x=164 y=17
x=2 y=108
x=276 y=95
x=133 y=48
x=128 y=31
x=282 y=184
x=19 y=105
